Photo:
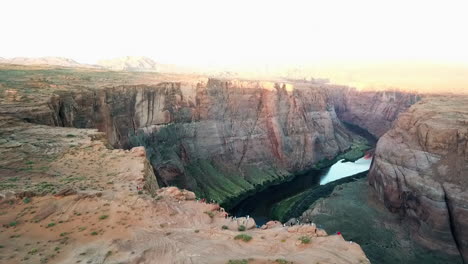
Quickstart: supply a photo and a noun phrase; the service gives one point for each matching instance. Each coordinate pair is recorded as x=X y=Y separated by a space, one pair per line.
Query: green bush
x=304 y=239
x=224 y=227
x=238 y=261
x=241 y=228
x=243 y=237
x=102 y=217
x=283 y=261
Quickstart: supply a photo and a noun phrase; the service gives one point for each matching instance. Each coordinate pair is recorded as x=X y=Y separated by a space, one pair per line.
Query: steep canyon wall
x=373 y=111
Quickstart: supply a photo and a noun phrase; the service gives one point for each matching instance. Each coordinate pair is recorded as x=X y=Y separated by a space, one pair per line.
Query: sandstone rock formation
x=420 y=170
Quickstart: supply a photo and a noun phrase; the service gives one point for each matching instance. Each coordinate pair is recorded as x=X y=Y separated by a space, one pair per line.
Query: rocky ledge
x=420 y=171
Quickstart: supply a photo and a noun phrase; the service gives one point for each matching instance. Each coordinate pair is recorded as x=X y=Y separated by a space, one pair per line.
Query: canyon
x=225 y=139
x=68 y=198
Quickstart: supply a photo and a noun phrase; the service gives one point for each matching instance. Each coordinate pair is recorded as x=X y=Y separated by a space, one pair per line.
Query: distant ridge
x=50 y=60
x=127 y=63
x=130 y=63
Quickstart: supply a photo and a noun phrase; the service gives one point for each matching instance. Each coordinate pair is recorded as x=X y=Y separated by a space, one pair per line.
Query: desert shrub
x=241 y=228
x=238 y=261
x=304 y=239
x=243 y=237
x=283 y=261
x=102 y=217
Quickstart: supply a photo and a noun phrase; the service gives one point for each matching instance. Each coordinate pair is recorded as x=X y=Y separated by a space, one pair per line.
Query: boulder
x=242 y=221
x=66 y=191
x=138 y=151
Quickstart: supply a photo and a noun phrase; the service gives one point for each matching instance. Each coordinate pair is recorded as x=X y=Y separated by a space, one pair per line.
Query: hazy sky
x=216 y=33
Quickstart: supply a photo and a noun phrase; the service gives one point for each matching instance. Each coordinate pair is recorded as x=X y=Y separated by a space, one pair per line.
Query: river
x=260 y=204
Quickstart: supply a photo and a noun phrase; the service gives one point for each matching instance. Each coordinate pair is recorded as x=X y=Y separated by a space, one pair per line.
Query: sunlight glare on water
x=343 y=169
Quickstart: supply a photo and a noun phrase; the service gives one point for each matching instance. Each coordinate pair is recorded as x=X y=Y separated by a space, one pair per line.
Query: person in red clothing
x=338 y=233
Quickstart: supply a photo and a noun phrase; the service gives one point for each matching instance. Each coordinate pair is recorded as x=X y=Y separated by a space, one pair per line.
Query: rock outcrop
x=420 y=170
